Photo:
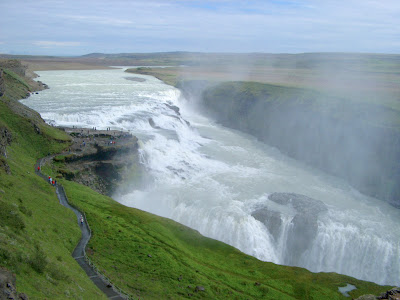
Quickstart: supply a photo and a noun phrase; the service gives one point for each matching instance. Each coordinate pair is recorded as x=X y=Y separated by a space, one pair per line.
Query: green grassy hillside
x=37 y=234
x=148 y=256
x=156 y=258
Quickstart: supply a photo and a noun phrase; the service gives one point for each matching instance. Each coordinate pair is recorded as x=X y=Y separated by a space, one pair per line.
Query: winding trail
x=79 y=253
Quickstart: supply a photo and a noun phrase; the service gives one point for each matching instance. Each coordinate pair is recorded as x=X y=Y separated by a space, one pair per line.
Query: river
x=213 y=179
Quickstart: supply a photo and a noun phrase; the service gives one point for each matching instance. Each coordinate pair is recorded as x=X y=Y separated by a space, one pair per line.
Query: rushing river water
x=212 y=178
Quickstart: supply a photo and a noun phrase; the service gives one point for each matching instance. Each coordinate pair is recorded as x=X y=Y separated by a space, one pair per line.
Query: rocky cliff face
x=7 y=286
x=304 y=222
x=14 y=65
x=356 y=142
x=99 y=159
x=2 y=84
x=5 y=140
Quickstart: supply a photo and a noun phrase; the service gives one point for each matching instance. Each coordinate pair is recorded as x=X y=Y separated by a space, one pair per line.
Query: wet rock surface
x=272 y=219
x=136 y=79
x=2 y=85
x=5 y=140
x=393 y=294
x=303 y=227
x=7 y=286
x=152 y=124
x=301 y=203
x=98 y=158
x=174 y=108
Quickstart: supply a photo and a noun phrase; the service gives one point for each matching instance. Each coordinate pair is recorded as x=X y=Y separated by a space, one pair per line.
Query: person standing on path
x=81 y=219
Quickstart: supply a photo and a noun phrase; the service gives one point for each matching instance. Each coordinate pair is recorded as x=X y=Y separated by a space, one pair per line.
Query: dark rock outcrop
x=174 y=108
x=302 y=204
x=152 y=124
x=36 y=128
x=136 y=79
x=7 y=286
x=5 y=140
x=4 y=166
x=99 y=159
x=271 y=219
x=394 y=293
x=304 y=225
x=199 y=288
x=2 y=84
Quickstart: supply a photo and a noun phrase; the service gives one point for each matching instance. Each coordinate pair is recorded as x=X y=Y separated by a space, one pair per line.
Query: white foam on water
x=211 y=178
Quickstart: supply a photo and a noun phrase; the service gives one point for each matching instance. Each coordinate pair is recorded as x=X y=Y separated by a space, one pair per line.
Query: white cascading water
x=213 y=179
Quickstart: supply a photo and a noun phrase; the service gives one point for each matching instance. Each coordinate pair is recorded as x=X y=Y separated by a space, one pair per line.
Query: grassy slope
x=381 y=108
x=362 y=78
x=338 y=107
x=181 y=259
x=37 y=236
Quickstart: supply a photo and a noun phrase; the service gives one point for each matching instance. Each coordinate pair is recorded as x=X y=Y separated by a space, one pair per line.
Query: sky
x=77 y=27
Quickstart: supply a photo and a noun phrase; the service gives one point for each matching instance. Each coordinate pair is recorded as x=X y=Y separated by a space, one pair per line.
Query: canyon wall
x=354 y=140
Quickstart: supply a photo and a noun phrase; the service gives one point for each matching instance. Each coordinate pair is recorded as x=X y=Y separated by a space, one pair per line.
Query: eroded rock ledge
x=8 y=286
x=306 y=211
x=98 y=158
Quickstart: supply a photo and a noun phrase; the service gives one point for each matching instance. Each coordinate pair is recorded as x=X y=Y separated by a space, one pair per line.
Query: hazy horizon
x=197 y=52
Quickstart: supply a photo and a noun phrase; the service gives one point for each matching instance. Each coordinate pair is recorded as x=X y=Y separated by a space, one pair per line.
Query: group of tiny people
x=54 y=183
x=51 y=180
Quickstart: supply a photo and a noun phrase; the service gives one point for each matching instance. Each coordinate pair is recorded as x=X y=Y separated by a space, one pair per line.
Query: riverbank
x=46 y=65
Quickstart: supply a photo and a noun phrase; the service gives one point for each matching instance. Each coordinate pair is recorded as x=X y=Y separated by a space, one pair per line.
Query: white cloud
x=49 y=44
x=98 y=20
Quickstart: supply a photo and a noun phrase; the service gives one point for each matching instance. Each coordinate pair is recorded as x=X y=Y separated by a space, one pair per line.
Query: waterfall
x=220 y=181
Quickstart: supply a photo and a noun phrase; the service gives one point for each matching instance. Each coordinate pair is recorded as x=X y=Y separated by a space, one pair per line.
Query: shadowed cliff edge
x=359 y=142
x=356 y=140
x=98 y=158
